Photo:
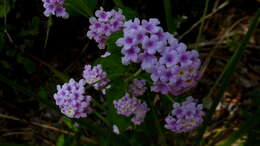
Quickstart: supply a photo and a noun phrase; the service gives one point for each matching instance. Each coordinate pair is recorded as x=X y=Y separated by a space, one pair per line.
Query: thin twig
x=47 y=127
x=205 y=17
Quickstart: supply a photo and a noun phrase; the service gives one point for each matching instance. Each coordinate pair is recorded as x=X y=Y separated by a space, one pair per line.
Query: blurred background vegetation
x=37 y=53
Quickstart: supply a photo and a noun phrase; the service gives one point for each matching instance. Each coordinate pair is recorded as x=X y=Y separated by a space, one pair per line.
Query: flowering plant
x=141 y=84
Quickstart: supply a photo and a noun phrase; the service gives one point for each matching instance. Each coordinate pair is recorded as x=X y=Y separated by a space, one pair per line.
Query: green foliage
x=112 y=64
x=5 y=7
x=169 y=18
x=128 y=12
x=70 y=124
x=60 y=141
x=80 y=7
x=27 y=63
x=116 y=71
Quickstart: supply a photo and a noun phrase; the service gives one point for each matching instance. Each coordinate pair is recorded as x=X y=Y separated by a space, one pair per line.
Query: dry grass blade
x=85 y=139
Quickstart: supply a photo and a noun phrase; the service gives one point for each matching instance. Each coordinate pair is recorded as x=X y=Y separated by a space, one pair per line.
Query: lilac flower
x=185 y=117
x=96 y=77
x=173 y=68
x=157 y=71
x=128 y=106
x=131 y=54
x=132 y=25
x=137 y=88
x=140 y=114
x=170 y=58
x=148 y=61
x=160 y=87
x=184 y=58
x=71 y=99
x=55 y=7
x=151 y=25
x=104 y=25
x=102 y=15
x=169 y=75
x=151 y=45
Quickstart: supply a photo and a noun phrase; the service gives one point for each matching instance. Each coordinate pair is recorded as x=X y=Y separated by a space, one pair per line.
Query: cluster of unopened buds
x=172 y=68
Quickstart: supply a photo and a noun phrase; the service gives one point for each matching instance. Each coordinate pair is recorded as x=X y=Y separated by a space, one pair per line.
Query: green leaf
x=117 y=91
x=169 y=18
x=70 y=124
x=5 y=8
x=128 y=12
x=112 y=64
x=43 y=98
x=61 y=141
x=80 y=7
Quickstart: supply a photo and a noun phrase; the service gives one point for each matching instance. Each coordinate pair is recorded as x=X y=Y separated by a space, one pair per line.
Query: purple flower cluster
x=96 y=77
x=173 y=68
x=128 y=106
x=71 y=99
x=104 y=25
x=137 y=88
x=185 y=117
x=55 y=7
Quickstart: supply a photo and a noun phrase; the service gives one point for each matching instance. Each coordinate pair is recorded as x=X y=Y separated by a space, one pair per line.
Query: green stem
x=202 y=24
x=49 y=24
x=223 y=80
x=98 y=105
x=101 y=118
x=157 y=124
x=139 y=71
x=170 y=98
x=168 y=13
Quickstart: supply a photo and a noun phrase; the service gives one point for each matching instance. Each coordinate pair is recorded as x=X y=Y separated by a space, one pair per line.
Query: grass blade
x=157 y=124
x=202 y=24
x=168 y=13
